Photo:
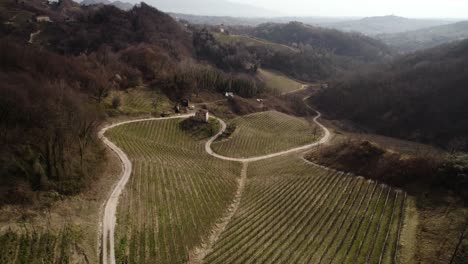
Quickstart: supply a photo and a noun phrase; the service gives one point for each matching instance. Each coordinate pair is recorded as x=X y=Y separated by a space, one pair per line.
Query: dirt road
x=200 y=253
x=324 y=139
x=110 y=209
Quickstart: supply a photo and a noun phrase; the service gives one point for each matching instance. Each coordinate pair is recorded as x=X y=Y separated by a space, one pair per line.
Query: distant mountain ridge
x=386 y=24
x=212 y=8
x=252 y=21
x=426 y=38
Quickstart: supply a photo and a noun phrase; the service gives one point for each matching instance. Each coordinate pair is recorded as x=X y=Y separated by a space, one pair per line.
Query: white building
x=202 y=115
x=43 y=19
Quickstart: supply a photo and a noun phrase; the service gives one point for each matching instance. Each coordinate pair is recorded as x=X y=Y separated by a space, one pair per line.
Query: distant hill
x=212 y=8
x=421 y=96
x=426 y=38
x=385 y=24
x=252 y=21
x=354 y=45
x=118 y=4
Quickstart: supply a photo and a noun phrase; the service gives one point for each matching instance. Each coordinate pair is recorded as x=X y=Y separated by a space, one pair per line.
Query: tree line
x=420 y=97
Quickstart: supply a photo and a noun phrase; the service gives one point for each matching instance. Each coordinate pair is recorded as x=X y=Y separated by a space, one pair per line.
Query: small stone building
x=43 y=19
x=202 y=115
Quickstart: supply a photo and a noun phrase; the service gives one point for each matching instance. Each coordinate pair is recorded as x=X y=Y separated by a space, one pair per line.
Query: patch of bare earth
x=439 y=231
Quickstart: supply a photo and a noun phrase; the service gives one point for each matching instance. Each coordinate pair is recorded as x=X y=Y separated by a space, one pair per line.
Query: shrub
x=200 y=130
x=448 y=173
x=116 y=102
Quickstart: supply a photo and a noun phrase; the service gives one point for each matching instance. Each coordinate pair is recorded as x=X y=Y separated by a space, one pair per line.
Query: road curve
x=200 y=253
x=110 y=209
x=326 y=137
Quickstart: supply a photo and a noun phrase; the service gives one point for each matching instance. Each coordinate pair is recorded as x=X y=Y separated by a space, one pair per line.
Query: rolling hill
x=421 y=96
x=254 y=21
x=385 y=24
x=352 y=45
x=410 y=41
x=184 y=203
x=266 y=132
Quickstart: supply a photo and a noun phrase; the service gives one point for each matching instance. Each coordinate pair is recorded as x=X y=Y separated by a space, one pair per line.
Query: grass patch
x=278 y=82
x=252 y=42
x=139 y=100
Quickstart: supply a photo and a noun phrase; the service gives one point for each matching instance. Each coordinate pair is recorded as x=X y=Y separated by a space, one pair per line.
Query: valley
x=133 y=135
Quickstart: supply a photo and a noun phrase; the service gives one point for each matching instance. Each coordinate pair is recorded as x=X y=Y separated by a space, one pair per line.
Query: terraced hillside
x=175 y=195
x=295 y=212
x=278 y=82
x=264 y=133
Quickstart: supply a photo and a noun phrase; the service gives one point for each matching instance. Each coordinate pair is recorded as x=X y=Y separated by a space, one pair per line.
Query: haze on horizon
x=363 y=8
x=450 y=9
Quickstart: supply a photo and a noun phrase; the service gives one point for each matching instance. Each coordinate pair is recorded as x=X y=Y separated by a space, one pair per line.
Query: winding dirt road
x=200 y=253
x=324 y=139
x=110 y=209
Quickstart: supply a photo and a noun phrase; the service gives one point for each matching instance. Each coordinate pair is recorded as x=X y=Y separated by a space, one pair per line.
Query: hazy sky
x=407 y=8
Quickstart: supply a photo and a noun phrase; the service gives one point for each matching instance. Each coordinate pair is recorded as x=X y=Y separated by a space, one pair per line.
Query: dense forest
x=303 y=62
x=350 y=45
x=310 y=53
x=421 y=97
x=55 y=84
x=48 y=124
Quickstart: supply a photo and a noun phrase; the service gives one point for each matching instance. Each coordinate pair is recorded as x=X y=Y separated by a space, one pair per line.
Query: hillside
x=420 y=97
x=163 y=190
x=253 y=21
x=279 y=82
x=114 y=149
x=264 y=133
x=295 y=212
x=385 y=24
x=112 y=27
x=411 y=41
x=247 y=54
x=80 y=60
x=62 y=79
x=351 y=45
x=252 y=42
